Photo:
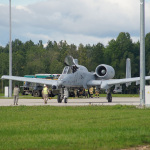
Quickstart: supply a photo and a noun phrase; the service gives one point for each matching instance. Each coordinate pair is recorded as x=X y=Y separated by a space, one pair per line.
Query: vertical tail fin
x=128 y=70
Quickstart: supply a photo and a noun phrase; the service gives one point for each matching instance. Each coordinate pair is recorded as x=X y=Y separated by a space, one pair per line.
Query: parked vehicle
x=36 y=89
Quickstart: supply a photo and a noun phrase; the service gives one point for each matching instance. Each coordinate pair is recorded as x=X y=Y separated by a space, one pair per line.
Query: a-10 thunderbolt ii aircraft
x=77 y=76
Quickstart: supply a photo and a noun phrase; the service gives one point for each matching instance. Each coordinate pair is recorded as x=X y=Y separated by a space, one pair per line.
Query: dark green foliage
x=29 y=58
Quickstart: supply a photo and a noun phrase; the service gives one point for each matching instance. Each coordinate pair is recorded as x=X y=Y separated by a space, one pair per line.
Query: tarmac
x=74 y=102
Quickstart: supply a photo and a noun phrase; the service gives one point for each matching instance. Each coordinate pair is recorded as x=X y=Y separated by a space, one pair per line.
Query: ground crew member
x=78 y=93
x=16 y=94
x=45 y=92
x=91 y=92
x=75 y=93
x=86 y=93
x=96 y=93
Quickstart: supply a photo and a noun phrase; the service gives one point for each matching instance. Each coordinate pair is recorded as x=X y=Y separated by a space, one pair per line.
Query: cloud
x=80 y=21
x=23 y=8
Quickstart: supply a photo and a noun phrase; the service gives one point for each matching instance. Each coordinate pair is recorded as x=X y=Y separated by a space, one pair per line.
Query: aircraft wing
x=34 y=80
x=106 y=84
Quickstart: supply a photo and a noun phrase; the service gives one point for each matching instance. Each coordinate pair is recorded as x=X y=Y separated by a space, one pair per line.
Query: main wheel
x=65 y=100
x=59 y=100
x=109 y=97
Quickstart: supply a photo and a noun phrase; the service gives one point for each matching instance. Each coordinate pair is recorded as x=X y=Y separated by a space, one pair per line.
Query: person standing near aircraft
x=91 y=92
x=75 y=93
x=86 y=93
x=45 y=92
x=96 y=93
x=16 y=94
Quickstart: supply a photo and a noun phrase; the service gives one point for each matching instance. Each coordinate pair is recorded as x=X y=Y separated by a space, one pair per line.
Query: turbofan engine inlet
x=105 y=71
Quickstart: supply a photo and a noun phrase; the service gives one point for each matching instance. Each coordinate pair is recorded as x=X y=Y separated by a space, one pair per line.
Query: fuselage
x=77 y=78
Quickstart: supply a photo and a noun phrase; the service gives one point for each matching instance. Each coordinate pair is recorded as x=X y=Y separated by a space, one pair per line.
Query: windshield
x=67 y=70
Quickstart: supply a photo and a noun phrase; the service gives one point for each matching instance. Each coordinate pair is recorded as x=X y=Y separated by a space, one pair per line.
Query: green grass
x=73 y=128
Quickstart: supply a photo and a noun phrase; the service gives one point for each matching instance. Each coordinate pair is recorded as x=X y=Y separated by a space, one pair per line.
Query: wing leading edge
x=106 y=84
x=34 y=80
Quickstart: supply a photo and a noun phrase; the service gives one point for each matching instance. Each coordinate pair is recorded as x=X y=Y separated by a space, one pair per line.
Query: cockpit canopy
x=73 y=69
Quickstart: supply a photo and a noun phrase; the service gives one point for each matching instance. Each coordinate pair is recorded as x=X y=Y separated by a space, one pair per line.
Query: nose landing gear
x=64 y=93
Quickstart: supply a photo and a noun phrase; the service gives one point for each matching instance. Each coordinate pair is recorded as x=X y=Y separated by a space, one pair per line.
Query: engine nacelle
x=105 y=71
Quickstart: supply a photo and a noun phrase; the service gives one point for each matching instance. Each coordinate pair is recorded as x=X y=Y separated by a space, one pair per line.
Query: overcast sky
x=76 y=21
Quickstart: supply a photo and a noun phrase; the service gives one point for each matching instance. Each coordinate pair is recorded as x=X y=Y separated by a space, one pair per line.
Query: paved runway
x=74 y=102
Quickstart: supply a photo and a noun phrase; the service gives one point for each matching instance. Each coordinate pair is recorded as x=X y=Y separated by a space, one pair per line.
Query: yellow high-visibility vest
x=91 y=90
x=45 y=90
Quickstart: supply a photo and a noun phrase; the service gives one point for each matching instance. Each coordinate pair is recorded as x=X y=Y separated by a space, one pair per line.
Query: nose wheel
x=64 y=93
x=65 y=100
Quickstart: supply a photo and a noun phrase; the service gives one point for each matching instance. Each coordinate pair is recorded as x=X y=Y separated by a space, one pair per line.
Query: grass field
x=73 y=128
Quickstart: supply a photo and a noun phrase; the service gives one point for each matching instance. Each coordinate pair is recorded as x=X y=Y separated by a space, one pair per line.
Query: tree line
x=29 y=58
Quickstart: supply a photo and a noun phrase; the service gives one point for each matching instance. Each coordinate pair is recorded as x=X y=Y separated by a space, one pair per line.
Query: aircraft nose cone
x=59 y=82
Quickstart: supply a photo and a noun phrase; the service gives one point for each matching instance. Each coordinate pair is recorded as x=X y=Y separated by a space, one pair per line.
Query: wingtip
x=3 y=77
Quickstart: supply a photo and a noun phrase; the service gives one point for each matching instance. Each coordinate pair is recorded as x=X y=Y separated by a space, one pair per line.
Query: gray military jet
x=77 y=76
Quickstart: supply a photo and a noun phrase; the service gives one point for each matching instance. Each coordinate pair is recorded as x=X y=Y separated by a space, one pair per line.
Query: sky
x=76 y=21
